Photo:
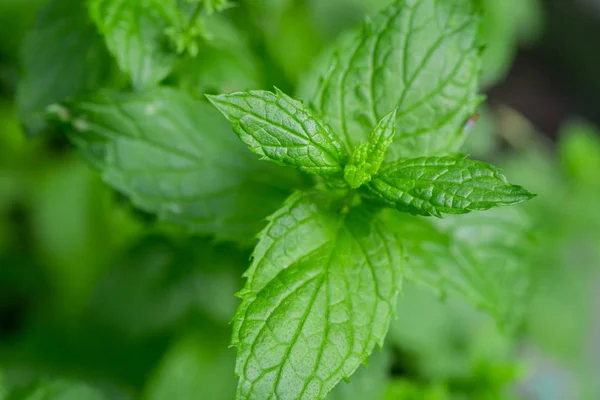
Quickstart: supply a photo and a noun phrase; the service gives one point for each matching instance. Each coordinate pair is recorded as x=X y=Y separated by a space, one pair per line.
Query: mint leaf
x=62 y=55
x=481 y=257
x=63 y=390
x=283 y=130
x=417 y=55
x=368 y=157
x=134 y=33
x=177 y=157
x=320 y=294
x=369 y=382
x=436 y=185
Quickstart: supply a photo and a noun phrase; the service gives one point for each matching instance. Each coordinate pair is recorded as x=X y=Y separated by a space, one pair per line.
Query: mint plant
x=364 y=187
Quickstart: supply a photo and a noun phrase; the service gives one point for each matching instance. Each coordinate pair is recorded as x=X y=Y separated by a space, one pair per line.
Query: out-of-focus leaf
x=159 y=285
x=76 y=226
x=199 y=365
x=405 y=389
x=63 y=55
x=224 y=64
x=62 y=390
x=175 y=156
x=135 y=34
x=580 y=152
x=480 y=257
x=369 y=382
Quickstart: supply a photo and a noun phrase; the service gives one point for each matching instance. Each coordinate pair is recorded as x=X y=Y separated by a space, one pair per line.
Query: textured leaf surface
x=417 y=55
x=453 y=185
x=282 y=130
x=481 y=257
x=177 y=157
x=368 y=157
x=319 y=297
x=134 y=33
x=62 y=55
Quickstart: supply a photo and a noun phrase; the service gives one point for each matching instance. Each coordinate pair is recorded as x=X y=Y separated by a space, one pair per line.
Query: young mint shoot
x=388 y=106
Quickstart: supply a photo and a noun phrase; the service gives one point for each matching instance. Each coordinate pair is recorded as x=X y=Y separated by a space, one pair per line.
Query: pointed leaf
x=319 y=297
x=282 y=130
x=177 y=157
x=436 y=185
x=417 y=55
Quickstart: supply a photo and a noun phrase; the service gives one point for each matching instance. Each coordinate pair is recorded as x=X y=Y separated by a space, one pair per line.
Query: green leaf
x=369 y=382
x=368 y=157
x=177 y=157
x=283 y=130
x=480 y=257
x=417 y=55
x=197 y=366
x=134 y=33
x=62 y=56
x=436 y=185
x=319 y=297
x=63 y=390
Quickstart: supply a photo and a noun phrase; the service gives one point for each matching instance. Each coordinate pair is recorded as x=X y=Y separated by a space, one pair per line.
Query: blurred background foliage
x=99 y=301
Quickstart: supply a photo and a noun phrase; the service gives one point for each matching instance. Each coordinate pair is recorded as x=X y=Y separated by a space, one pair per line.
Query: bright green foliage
x=62 y=55
x=135 y=35
x=417 y=55
x=367 y=157
x=281 y=129
x=320 y=294
x=386 y=109
x=174 y=156
x=436 y=185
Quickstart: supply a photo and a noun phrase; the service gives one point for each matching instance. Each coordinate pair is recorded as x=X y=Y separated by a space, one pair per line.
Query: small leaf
x=436 y=185
x=418 y=55
x=62 y=56
x=319 y=297
x=177 y=157
x=135 y=34
x=282 y=130
x=368 y=157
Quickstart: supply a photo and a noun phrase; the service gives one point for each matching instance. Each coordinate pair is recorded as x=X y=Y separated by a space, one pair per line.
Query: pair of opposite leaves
x=283 y=130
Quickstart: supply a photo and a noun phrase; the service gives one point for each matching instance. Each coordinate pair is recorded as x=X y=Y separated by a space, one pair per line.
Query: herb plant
x=365 y=182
